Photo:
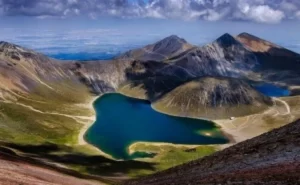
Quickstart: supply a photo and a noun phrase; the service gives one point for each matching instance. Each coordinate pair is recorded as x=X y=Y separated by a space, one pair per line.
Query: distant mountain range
x=154 y=71
x=39 y=96
x=161 y=50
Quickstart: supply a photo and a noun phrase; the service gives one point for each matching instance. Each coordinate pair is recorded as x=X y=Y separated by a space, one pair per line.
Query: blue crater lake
x=272 y=90
x=122 y=121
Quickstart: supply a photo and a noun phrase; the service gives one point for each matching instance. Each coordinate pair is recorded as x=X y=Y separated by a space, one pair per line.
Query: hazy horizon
x=101 y=29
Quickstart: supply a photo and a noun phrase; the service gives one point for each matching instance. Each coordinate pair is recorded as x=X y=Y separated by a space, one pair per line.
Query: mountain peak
x=246 y=34
x=249 y=36
x=255 y=43
x=4 y=44
x=17 y=52
x=165 y=48
x=169 y=45
x=7 y=46
x=173 y=38
x=227 y=40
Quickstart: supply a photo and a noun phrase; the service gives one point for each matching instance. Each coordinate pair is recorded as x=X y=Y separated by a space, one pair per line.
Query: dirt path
x=285 y=104
x=92 y=118
x=243 y=128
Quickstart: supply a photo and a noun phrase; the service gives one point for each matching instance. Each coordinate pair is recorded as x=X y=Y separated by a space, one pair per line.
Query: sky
x=105 y=28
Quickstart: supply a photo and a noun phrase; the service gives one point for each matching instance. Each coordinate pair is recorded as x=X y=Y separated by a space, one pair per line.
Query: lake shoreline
x=81 y=140
x=229 y=136
x=131 y=151
x=85 y=128
x=87 y=125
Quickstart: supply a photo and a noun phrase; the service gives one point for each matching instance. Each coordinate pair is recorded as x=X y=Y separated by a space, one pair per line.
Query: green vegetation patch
x=65 y=98
x=22 y=125
x=168 y=156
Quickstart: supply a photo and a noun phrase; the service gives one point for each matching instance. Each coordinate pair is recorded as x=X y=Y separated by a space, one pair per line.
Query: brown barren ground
x=17 y=172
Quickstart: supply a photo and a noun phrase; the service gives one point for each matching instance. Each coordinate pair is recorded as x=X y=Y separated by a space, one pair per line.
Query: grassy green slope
x=45 y=115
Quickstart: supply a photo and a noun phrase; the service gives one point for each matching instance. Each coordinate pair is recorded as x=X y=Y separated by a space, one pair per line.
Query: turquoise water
x=122 y=121
x=272 y=90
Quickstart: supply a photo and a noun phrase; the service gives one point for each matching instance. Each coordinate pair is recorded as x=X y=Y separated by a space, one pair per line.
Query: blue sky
x=113 y=26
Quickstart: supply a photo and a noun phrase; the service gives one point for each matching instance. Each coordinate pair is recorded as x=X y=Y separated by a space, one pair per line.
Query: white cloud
x=263 y=14
x=212 y=15
x=297 y=14
x=263 y=11
x=287 y=6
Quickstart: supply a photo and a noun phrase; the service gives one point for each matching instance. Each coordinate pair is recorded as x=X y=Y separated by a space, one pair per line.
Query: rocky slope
x=270 y=55
x=24 y=70
x=257 y=44
x=100 y=76
x=272 y=158
x=15 y=171
x=226 y=56
x=19 y=169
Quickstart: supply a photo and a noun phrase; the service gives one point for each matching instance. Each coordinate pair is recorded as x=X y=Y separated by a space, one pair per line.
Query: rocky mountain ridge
x=24 y=70
x=161 y=50
x=270 y=55
x=226 y=56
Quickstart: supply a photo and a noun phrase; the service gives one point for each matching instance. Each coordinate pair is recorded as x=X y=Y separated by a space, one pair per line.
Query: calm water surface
x=122 y=121
x=272 y=90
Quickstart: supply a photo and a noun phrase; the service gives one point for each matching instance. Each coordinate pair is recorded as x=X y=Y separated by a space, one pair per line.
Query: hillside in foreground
x=272 y=158
x=16 y=170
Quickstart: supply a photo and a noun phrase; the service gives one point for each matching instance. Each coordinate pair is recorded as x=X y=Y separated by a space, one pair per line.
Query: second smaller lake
x=272 y=90
x=122 y=121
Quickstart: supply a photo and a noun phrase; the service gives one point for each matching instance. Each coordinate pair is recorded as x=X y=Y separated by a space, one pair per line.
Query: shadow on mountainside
x=272 y=158
x=156 y=78
x=64 y=155
x=275 y=58
x=280 y=65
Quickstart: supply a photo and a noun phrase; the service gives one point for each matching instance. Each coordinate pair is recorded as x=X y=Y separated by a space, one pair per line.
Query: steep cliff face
x=272 y=158
x=161 y=50
x=213 y=98
x=100 y=76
